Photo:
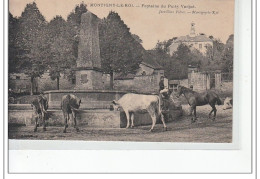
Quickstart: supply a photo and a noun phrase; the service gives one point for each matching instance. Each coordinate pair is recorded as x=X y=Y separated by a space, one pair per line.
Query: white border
x=87 y=145
x=173 y=161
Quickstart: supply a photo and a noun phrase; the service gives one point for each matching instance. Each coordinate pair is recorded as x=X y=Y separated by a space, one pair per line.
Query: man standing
x=161 y=84
x=162 y=92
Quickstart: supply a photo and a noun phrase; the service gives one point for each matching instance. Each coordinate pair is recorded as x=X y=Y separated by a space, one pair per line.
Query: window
x=200 y=46
x=143 y=73
x=18 y=77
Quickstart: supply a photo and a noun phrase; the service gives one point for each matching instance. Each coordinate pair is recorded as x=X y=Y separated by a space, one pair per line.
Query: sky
x=144 y=18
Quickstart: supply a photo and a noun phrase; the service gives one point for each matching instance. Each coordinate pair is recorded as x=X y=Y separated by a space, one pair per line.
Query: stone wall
x=205 y=81
x=145 y=84
x=19 y=83
x=106 y=81
x=23 y=115
x=199 y=81
x=45 y=83
x=184 y=82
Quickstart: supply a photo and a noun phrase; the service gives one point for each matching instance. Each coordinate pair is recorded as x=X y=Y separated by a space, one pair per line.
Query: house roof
x=149 y=60
x=198 y=38
x=121 y=76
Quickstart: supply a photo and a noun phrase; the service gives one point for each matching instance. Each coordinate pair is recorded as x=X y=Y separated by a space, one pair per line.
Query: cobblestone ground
x=182 y=130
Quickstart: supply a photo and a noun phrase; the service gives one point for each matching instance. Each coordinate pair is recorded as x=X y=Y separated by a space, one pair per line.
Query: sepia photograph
x=133 y=71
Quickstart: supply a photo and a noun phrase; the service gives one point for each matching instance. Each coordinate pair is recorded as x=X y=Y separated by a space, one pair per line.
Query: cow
x=131 y=103
x=70 y=105
x=228 y=102
x=40 y=106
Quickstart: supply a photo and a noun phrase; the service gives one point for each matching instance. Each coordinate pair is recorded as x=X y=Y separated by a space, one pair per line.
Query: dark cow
x=70 y=105
x=195 y=99
x=40 y=106
x=138 y=102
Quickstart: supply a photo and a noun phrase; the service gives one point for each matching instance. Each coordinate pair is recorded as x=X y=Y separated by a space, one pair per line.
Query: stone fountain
x=96 y=102
x=89 y=85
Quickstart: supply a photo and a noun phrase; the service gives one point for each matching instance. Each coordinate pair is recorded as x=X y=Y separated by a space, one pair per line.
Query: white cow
x=228 y=103
x=131 y=103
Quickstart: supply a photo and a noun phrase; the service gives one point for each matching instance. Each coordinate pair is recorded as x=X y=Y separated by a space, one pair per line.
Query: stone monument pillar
x=88 y=71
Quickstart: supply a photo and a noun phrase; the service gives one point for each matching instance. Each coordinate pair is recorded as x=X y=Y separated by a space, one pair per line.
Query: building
x=173 y=84
x=200 y=42
x=205 y=80
x=145 y=80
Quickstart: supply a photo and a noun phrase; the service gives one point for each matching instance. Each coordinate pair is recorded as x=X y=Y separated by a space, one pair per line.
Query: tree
x=228 y=55
x=218 y=48
x=213 y=58
x=73 y=22
x=31 y=42
x=13 y=50
x=61 y=55
x=196 y=58
x=137 y=38
x=120 y=52
x=176 y=66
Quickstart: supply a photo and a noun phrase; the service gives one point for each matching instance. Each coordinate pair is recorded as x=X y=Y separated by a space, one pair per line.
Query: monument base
x=89 y=79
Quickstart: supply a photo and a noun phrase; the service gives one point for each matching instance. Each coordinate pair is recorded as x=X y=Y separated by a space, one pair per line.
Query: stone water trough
x=95 y=110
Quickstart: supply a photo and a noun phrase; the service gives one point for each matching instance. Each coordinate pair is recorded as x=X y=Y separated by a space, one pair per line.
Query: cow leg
x=211 y=113
x=190 y=111
x=193 y=119
x=213 y=110
x=75 y=121
x=195 y=113
x=65 y=121
x=153 y=122
x=132 y=120
x=36 y=116
x=151 y=111
x=164 y=125
x=43 y=120
x=127 y=118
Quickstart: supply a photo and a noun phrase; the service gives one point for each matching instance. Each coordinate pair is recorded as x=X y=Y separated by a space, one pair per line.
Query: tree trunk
x=31 y=92
x=111 y=80
x=58 y=83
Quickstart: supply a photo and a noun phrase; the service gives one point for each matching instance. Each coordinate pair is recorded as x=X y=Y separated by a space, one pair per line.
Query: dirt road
x=181 y=130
